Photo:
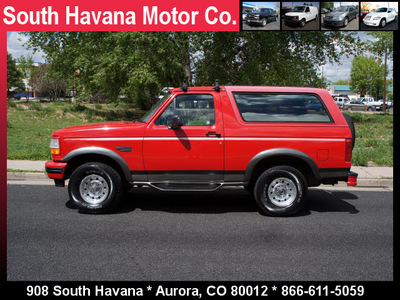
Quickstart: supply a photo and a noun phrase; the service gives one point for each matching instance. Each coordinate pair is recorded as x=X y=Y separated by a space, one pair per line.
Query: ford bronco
x=274 y=141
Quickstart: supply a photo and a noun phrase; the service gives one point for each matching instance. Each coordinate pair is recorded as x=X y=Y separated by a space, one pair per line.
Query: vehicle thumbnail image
x=300 y=16
x=340 y=15
x=379 y=16
x=261 y=16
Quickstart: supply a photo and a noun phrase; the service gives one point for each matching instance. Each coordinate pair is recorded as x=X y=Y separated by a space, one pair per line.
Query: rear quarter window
x=270 y=107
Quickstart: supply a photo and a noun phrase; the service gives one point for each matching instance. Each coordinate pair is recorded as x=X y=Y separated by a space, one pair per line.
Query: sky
x=332 y=72
x=262 y=4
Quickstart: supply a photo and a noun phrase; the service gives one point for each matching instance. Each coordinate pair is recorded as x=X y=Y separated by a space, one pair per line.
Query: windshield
x=155 y=107
x=298 y=8
x=382 y=9
x=341 y=8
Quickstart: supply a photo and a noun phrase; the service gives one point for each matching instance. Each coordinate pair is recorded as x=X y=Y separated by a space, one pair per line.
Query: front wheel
x=280 y=191
x=95 y=187
x=383 y=23
x=264 y=22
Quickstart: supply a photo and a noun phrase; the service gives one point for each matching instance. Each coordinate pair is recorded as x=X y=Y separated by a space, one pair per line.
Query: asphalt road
x=340 y=235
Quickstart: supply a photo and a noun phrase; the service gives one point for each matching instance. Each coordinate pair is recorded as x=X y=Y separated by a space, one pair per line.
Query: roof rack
x=184 y=86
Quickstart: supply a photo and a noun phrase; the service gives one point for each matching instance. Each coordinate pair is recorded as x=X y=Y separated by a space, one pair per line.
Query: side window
x=192 y=110
x=307 y=9
x=266 y=107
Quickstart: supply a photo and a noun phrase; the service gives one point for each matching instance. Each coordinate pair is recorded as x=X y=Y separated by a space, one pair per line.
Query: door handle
x=213 y=133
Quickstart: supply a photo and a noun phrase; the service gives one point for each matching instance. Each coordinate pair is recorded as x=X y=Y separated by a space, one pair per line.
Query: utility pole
x=384 y=85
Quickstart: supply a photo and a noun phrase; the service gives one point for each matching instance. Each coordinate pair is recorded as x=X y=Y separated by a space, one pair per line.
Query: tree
x=366 y=75
x=270 y=58
x=14 y=76
x=382 y=46
x=25 y=66
x=47 y=83
x=137 y=65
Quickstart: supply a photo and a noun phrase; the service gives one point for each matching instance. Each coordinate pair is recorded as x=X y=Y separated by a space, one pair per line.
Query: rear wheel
x=95 y=187
x=280 y=191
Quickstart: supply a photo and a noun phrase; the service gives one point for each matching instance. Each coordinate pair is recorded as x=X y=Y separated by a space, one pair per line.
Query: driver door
x=191 y=150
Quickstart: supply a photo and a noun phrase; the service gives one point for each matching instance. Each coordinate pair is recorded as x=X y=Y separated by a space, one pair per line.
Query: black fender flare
x=101 y=151
x=281 y=152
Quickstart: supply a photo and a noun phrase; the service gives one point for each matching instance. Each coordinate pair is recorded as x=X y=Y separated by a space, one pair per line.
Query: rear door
x=192 y=152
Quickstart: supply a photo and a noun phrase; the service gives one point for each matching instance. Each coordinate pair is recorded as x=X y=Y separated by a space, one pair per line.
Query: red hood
x=106 y=129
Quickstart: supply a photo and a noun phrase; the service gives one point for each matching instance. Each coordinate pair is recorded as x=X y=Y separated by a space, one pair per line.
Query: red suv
x=274 y=141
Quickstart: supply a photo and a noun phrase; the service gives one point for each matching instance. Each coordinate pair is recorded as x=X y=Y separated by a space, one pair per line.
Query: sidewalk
x=367 y=176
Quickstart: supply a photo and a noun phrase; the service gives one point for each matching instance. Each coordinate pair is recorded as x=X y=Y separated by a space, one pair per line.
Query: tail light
x=349 y=149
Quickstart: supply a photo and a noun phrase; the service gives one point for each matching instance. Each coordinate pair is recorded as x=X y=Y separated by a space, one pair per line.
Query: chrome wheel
x=281 y=192
x=94 y=189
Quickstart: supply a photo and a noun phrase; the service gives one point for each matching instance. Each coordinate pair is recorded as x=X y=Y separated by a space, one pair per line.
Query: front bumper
x=254 y=21
x=372 y=22
x=55 y=170
x=292 y=21
x=332 y=23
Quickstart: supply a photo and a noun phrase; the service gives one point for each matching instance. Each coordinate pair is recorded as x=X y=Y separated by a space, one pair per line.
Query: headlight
x=376 y=18
x=55 y=146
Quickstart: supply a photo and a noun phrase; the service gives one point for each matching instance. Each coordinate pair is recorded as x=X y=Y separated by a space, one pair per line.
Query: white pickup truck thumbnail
x=378 y=105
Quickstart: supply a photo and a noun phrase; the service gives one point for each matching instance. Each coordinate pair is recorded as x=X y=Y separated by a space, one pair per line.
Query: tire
x=280 y=191
x=264 y=22
x=382 y=23
x=350 y=123
x=95 y=188
x=302 y=23
x=345 y=22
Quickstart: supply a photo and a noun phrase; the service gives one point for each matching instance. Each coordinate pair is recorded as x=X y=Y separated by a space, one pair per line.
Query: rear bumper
x=352 y=179
x=333 y=176
x=55 y=170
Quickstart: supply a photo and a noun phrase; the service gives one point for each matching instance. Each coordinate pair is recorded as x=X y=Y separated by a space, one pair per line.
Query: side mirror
x=176 y=123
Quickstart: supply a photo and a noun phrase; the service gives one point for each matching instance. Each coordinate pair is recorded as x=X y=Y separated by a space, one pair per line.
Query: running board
x=169 y=186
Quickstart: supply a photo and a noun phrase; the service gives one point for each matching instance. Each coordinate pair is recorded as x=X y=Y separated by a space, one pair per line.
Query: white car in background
x=380 y=17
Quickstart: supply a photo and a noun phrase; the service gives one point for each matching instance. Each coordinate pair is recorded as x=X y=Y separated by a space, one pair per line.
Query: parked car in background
x=380 y=17
x=340 y=101
x=325 y=10
x=300 y=15
x=378 y=104
x=358 y=105
x=363 y=13
x=261 y=17
x=341 y=16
